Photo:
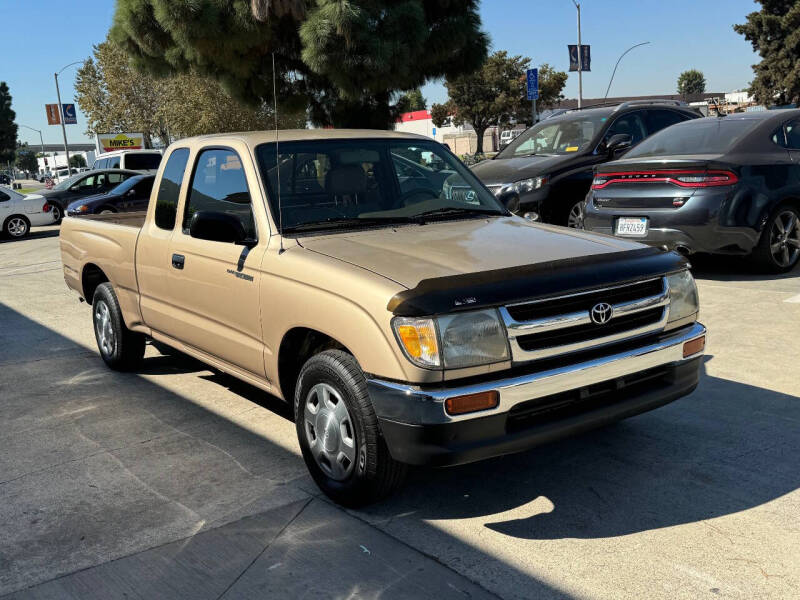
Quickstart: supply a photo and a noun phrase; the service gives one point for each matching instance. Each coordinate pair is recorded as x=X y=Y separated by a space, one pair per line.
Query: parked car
x=82 y=185
x=132 y=160
x=5 y=179
x=723 y=185
x=64 y=174
x=546 y=172
x=509 y=135
x=131 y=195
x=19 y=213
x=402 y=327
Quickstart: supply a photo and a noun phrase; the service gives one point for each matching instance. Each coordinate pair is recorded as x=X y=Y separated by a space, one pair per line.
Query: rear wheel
x=778 y=250
x=339 y=433
x=16 y=226
x=120 y=348
x=58 y=214
x=575 y=216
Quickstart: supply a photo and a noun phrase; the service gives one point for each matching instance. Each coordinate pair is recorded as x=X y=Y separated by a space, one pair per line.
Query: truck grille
x=556 y=326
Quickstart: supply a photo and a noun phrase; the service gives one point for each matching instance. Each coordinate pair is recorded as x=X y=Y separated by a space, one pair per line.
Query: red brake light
x=689 y=179
x=46 y=207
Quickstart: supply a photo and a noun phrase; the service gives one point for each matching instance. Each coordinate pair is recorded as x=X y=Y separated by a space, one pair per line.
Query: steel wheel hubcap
x=103 y=328
x=17 y=227
x=575 y=220
x=784 y=242
x=329 y=431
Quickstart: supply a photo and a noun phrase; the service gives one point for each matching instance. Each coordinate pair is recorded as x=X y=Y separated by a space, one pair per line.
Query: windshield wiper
x=454 y=210
x=344 y=222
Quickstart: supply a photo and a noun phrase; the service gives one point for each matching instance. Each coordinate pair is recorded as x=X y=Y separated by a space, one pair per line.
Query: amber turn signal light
x=459 y=405
x=694 y=346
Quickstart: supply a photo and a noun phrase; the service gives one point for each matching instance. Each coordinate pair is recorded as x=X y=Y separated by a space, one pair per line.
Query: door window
x=660 y=119
x=219 y=184
x=169 y=189
x=143 y=188
x=4 y=196
x=632 y=124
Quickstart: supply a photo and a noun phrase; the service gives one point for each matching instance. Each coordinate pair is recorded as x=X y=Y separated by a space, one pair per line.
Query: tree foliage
x=342 y=60
x=774 y=32
x=8 y=128
x=116 y=97
x=691 y=84
x=496 y=94
x=26 y=159
x=411 y=101
x=77 y=160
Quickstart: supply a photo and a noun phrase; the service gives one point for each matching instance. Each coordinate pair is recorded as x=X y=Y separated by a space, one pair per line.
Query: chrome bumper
x=407 y=403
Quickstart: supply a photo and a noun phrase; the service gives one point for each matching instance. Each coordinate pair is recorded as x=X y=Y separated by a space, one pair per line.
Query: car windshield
x=559 y=135
x=67 y=183
x=699 y=136
x=328 y=184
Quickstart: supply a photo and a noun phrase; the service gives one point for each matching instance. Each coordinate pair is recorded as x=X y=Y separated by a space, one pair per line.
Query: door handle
x=178 y=260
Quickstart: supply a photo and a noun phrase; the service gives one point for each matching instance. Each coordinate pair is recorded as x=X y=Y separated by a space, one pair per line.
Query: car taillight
x=689 y=179
x=46 y=207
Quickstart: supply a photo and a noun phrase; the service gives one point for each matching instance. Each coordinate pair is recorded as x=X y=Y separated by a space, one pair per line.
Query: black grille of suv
x=559 y=306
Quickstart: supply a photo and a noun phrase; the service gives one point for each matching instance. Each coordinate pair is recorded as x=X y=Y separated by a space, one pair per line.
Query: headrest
x=346 y=180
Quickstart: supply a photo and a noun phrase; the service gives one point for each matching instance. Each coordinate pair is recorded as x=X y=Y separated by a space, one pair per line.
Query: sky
x=39 y=37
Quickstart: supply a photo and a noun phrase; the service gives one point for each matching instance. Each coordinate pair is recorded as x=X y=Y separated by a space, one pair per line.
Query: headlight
x=80 y=209
x=683 y=300
x=455 y=341
x=524 y=186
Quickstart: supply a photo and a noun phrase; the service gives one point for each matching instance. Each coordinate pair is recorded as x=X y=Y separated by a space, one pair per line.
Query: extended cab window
x=169 y=188
x=219 y=184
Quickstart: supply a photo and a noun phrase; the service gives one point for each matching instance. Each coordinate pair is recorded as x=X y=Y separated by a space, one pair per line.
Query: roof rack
x=653 y=101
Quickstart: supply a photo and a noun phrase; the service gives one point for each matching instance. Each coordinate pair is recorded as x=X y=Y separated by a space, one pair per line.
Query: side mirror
x=618 y=142
x=216 y=227
x=131 y=192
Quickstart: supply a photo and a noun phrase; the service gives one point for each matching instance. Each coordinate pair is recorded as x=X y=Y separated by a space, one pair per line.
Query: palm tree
x=262 y=8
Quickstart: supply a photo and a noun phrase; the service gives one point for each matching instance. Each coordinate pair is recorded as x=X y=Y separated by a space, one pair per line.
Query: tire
x=17 y=227
x=106 y=210
x=331 y=394
x=575 y=215
x=120 y=348
x=778 y=250
x=58 y=213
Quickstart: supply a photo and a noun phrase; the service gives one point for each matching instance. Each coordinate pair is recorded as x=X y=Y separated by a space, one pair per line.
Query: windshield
x=67 y=183
x=698 y=136
x=560 y=135
x=347 y=183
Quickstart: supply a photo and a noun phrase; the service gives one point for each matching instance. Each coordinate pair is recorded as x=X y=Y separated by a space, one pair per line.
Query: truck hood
x=408 y=254
x=509 y=170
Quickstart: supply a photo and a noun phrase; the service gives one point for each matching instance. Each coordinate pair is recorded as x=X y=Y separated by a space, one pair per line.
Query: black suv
x=546 y=172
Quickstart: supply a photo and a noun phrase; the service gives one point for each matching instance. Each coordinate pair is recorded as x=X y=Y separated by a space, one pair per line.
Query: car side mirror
x=618 y=142
x=131 y=192
x=216 y=226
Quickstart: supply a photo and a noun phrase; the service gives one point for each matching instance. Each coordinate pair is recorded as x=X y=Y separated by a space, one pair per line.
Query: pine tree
x=8 y=128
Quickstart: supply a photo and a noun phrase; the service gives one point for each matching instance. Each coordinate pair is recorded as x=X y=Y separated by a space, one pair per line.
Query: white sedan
x=19 y=213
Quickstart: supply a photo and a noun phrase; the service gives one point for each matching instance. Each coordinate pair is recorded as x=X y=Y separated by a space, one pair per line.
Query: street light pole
x=580 y=56
x=616 y=65
x=61 y=116
x=41 y=139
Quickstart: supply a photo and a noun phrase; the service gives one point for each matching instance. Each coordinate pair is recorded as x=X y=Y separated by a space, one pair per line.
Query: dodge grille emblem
x=601 y=313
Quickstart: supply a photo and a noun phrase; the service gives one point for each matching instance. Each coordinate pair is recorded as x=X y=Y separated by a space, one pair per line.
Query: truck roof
x=254 y=138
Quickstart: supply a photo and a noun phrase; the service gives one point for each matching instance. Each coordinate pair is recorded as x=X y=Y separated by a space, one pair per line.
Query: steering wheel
x=416 y=192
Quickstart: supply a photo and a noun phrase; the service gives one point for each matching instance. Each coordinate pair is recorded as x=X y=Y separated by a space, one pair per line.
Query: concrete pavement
x=178 y=482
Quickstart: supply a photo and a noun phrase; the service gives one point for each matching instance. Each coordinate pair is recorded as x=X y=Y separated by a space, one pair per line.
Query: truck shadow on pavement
x=97 y=469
x=733 y=268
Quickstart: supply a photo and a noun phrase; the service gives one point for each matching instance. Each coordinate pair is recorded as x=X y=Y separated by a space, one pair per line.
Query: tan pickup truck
x=372 y=281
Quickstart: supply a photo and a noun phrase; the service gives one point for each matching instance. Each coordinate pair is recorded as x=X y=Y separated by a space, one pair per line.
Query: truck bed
x=108 y=243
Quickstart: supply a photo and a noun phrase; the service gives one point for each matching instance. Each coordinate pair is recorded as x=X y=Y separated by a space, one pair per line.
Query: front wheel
x=778 y=250
x=16 y=226
x=339 y=433
x=120 y=348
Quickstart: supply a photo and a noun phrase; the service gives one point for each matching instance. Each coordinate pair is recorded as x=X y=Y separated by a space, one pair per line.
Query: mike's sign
x=108 y=142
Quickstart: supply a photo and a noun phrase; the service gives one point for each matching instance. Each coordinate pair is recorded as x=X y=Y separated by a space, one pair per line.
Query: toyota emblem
x=601 y=313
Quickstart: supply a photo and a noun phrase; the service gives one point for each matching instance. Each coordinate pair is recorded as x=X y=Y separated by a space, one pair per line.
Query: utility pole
x=580 y=56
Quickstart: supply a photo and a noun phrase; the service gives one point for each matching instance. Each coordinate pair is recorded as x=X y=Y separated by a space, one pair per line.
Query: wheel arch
x=91 y=277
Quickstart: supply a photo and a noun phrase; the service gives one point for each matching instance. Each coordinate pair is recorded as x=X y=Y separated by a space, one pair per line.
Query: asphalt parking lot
x=179 y=482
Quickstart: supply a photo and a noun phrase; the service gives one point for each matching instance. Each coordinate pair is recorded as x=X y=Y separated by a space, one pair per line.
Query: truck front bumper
x=538 y=406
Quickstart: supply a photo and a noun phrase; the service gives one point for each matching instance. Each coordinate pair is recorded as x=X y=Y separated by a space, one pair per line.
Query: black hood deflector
x=442 y=295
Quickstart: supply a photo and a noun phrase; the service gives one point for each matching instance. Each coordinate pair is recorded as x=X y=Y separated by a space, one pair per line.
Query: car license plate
x=632 y=226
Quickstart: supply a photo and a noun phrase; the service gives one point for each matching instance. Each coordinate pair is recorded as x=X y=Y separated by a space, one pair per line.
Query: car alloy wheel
x=784 y=239
x=330 y=431
x=56 y=212
x=575 y=217
x=17 y=227
x=104 y=328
